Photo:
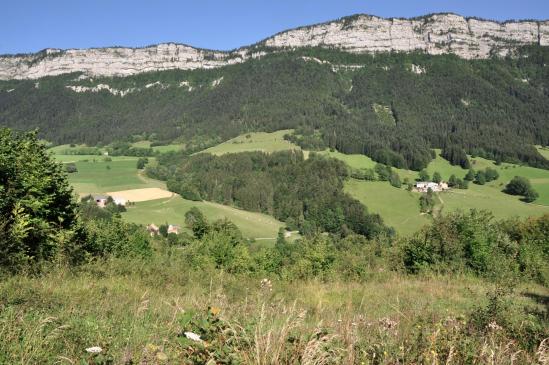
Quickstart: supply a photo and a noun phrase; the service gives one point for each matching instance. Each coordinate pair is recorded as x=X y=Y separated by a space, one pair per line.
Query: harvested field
x=142 y=195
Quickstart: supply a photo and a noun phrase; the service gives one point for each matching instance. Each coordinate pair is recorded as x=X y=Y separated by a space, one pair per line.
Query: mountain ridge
x=440 y=33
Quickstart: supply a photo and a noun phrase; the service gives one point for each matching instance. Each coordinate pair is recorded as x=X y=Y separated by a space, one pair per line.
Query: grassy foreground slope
x=135 y=310
x=172 y=211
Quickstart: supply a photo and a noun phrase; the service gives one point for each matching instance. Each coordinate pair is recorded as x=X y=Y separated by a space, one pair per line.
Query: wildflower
x=387 y=323
x=215 y=310
x=494 y=326
x=266 y=284
x=193 y=336
x=94 y=350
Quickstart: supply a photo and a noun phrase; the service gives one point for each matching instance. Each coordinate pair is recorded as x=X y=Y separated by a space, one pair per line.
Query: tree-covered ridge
x=306 y=194
x=495 y=108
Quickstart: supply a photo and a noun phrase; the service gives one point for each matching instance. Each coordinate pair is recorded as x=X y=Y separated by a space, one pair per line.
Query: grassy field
x=134 y=310
x=398 y=207
x=161 y=149
x=538 y=177
x=260 y=141
x=544 y=151
x=172 y=211
x=102 y=176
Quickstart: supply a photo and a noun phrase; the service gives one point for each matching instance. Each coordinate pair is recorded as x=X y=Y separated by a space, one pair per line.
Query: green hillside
x=172 y=211
x=377 y=107
x=259 y=141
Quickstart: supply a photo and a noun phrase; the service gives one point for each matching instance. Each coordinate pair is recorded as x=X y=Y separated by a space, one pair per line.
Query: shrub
x=521 y=186
x=464 y=241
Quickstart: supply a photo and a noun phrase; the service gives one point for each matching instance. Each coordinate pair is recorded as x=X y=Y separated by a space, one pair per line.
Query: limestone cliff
x=434 y=34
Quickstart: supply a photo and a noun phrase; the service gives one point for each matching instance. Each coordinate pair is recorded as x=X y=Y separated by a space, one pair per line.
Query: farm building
x=172 y=228
x=119 y=200
x=424 y=186
x=153 y=230
x=100 y=200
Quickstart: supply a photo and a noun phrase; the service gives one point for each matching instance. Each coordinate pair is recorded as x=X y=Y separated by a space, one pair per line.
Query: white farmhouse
x=424 y=186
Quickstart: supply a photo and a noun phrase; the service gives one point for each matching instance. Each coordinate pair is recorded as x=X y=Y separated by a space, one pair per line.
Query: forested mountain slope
x=393 y=107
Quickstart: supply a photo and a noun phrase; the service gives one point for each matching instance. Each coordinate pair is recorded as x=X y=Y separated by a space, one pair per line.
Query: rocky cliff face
x=434 y=34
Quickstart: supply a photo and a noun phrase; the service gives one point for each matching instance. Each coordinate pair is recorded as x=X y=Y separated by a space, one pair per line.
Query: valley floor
x=398 y=207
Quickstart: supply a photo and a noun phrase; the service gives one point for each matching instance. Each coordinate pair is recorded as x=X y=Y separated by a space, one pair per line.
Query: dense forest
x=306 y=194
x=392 y=107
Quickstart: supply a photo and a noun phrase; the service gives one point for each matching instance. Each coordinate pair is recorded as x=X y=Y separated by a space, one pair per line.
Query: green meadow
x=538 y=177
x=172 y=211
x=160 y=149
x=260 y=141
x=398 y=207
x=544 y=151
x=102 y=176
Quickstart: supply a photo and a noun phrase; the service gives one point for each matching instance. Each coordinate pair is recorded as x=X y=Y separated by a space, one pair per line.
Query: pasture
x=102 y=176
x=399 y=208
x=159 y=149
x=538 y=177
x=260 y=141
x=172 y=211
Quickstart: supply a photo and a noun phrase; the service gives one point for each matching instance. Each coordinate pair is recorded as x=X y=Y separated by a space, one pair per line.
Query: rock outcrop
x=434 y=34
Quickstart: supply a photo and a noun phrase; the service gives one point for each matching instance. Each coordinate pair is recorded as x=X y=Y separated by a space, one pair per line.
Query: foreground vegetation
x=137 y=312
x=79 y=285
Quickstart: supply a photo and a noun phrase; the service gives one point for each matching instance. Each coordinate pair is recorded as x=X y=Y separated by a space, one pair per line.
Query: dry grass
x=132 y=311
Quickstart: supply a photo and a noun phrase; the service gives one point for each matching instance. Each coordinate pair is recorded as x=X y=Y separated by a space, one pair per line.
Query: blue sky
x=32 y=25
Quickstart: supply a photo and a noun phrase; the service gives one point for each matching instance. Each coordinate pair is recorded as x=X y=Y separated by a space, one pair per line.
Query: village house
x=153 y=230
x=424 y=186
x=100 y=200
x=172 y=228
x=119 y=200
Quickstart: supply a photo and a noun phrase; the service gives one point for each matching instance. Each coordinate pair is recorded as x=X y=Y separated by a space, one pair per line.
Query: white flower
x=193 y=336
x=94 y=350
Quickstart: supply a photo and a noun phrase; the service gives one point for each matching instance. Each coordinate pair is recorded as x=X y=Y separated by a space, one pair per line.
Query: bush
x=474 y=242
x=521 y=186
x=117 y=238
x=71 y=168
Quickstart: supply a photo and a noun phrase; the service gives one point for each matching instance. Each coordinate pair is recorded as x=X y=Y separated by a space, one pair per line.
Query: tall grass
x=132 y=309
